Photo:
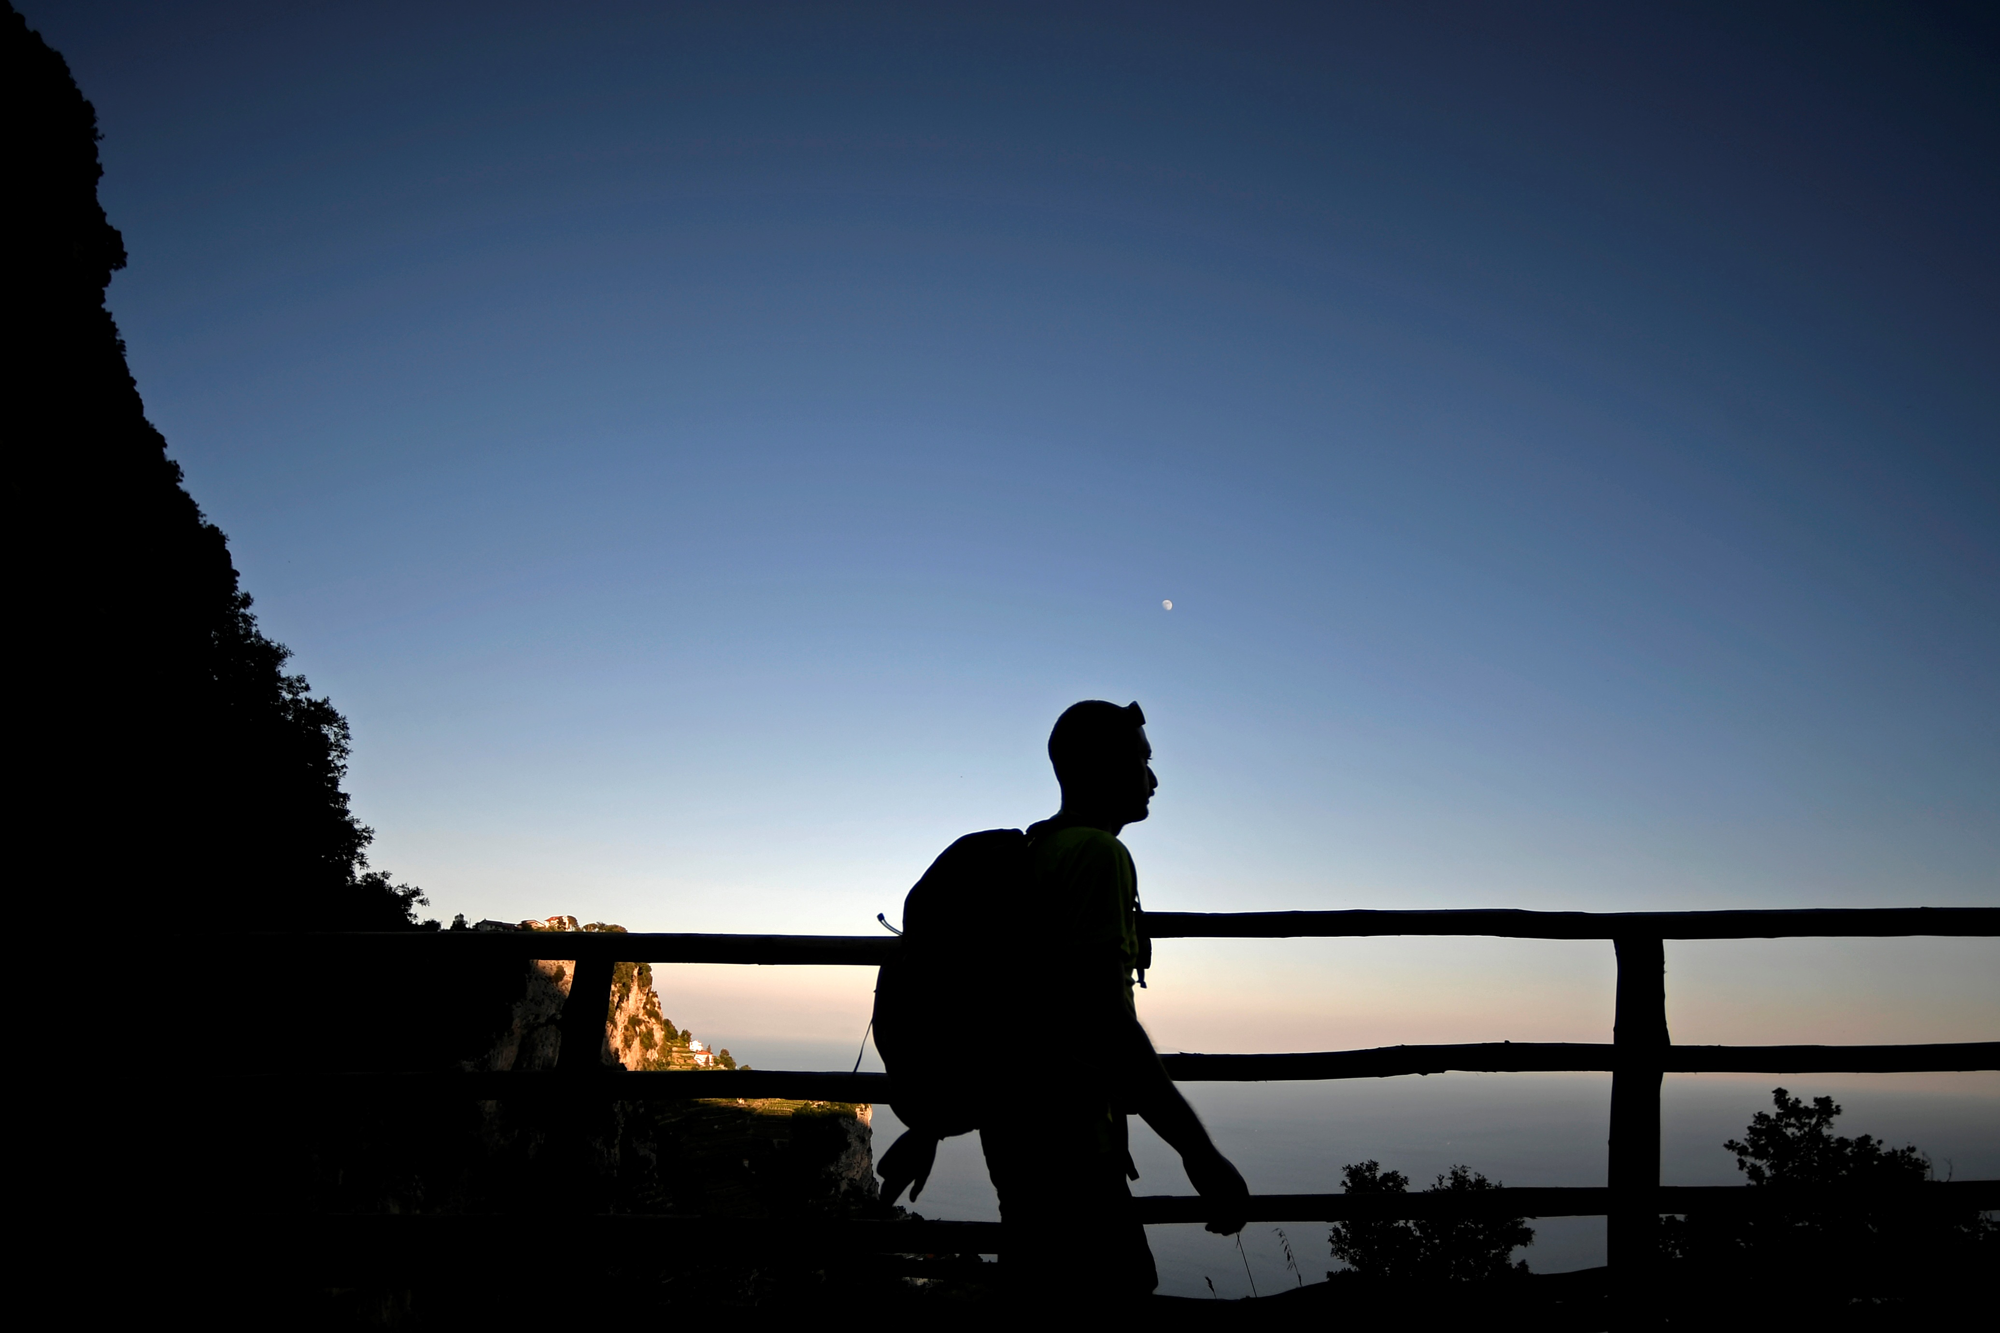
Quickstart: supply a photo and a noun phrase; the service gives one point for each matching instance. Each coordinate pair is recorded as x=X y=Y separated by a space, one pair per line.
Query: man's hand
x=907 y=1165
x=1222 y=1185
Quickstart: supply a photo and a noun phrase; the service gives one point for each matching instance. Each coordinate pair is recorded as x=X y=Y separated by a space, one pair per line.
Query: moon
x=1167 y=604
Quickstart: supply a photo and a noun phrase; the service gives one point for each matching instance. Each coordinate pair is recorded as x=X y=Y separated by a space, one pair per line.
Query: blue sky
x=701 y=448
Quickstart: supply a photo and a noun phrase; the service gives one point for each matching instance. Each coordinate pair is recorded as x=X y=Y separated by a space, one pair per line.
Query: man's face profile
x=1146 y=782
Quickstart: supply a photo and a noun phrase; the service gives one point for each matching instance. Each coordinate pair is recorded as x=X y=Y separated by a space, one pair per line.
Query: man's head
x=1102 y=759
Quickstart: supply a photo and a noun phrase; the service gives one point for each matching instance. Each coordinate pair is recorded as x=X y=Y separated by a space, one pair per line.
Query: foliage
x=1291 y=1260
x=164 y=733
x=403 y=898
x=1844 y=1252
x=1469 y=1249
x=1794 y=1146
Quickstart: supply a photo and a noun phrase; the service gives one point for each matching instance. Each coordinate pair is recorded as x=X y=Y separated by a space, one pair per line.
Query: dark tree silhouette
x=173 y=765
x=1795 y=1146
x=1841 y=1256
x=1446 y=1249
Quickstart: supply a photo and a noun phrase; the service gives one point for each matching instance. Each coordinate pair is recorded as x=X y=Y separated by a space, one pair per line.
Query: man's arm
x=1149 y=1092
x=1098 y=982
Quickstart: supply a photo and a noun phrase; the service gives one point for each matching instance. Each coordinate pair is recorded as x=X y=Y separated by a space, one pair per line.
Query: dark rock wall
x=172 y=770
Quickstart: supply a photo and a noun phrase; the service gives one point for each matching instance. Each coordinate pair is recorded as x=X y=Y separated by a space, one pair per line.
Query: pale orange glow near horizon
x=1294 y=995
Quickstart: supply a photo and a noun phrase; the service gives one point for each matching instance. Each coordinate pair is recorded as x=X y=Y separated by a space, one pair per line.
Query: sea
x=1515 y=1129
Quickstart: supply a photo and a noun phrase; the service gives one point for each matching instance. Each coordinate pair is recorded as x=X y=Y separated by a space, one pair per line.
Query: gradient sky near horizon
x=701 y=448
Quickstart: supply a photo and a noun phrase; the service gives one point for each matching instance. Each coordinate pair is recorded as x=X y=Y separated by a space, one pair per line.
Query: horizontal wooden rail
x=446 y=1247
x=1575 y=1201
x=1524 y=1057
x=625 y=947
x=1382 y=1062
x=1513 y=923
x=609 y=1085
x=1934 y=1058
x=423 y=1242
x=873 y=950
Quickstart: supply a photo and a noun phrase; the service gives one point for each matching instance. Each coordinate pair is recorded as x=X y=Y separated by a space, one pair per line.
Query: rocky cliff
x=717 y=1157
x=637 y=1033
x=547 y=1164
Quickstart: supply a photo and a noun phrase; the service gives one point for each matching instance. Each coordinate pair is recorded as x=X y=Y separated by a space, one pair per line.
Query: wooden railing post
x=1639 y=1041
x=583 y=1016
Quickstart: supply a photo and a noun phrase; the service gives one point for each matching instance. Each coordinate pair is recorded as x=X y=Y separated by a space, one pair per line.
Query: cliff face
x=166 y=735
x=718 y=1157
x=637 y=1033
x=546 y=1162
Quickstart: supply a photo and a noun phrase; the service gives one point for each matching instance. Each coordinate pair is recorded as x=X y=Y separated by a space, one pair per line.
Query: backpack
x=939 y=1017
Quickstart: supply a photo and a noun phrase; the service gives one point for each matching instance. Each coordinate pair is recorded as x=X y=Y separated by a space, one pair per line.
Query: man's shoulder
x=1049 y=832
x=1078 y=844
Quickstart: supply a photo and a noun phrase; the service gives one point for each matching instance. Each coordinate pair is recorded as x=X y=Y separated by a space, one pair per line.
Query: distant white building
x=702 y=1055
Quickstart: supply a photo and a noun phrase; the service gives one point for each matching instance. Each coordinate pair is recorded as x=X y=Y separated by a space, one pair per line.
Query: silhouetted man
x=1060 y=1164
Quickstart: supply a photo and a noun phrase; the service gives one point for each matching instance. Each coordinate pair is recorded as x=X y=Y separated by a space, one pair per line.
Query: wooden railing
x=1638 y=1055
